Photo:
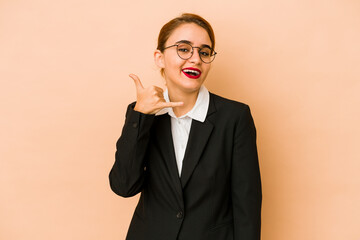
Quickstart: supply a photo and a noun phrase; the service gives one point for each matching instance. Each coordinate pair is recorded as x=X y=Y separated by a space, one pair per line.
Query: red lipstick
x=192 y=72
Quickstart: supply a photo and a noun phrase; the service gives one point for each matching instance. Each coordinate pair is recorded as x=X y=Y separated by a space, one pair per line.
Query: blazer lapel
x=167 y=147
x=198 y=138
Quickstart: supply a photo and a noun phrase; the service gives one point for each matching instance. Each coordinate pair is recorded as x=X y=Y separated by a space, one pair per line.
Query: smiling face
x=185 y=76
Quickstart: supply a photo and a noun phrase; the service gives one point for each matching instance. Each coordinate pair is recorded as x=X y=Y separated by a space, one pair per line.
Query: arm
x=246 y=182
x=127 y=174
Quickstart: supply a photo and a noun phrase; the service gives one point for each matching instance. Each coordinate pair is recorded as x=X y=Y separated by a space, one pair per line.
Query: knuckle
x=160 y=102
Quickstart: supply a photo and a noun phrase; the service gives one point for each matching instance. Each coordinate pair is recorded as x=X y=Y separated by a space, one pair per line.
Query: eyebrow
x=191 y=43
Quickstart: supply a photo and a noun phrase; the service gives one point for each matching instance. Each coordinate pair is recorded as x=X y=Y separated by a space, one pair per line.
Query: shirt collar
x=198 y=112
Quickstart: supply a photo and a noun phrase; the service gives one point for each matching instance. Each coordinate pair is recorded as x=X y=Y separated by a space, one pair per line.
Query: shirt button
x=134 y=125
x=179 y=215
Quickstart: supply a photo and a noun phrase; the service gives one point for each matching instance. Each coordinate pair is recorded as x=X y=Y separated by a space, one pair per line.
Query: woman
x=191 y=154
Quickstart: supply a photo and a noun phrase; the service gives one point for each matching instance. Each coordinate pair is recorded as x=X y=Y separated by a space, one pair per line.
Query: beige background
x=64 y=69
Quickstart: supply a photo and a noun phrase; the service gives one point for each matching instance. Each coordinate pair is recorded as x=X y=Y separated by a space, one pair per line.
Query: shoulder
x=230 y=114
x=234 y=115
x=227 y=106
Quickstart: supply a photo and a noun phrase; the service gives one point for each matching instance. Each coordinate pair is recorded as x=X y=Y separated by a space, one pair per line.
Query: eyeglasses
x=185 y=51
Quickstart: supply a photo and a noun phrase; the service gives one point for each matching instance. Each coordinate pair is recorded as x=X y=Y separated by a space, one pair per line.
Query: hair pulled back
x=169 y=27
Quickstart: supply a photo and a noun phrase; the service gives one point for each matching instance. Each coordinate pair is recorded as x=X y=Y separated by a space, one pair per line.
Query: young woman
x=191 y=154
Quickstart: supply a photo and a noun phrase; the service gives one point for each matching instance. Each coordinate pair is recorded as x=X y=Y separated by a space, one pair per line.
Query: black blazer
x=217 y=197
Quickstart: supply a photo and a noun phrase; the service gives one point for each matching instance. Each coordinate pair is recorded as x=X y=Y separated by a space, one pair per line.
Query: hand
x=150 y=100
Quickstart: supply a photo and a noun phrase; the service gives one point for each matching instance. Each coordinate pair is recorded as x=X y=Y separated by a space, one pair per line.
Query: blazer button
x=134 y=125
x=179 y=215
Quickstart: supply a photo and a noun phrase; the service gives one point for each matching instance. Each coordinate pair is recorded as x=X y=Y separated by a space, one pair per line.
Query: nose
x=195 y=58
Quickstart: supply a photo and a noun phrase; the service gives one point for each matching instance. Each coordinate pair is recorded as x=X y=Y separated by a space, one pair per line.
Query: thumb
x=171 y=104
x=137 y=81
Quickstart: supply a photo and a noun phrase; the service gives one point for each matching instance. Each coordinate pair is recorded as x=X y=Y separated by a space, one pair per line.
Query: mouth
x=191 y=72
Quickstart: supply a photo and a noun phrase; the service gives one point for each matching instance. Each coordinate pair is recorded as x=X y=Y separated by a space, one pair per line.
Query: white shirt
x=180 y=126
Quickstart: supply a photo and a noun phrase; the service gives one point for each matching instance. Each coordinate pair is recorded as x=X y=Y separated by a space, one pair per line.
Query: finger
x=159 y=89
x=137 y=81
x=160 y=95
x=171 y=104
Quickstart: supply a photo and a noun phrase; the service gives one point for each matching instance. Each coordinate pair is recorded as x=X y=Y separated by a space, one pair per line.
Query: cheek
x=207 y=69
x=174 y=64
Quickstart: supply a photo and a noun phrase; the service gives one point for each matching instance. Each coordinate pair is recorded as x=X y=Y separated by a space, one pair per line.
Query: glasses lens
x=207 y=55
x=184 y=50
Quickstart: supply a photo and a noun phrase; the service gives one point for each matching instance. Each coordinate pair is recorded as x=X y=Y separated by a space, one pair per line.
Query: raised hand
x=150 y=100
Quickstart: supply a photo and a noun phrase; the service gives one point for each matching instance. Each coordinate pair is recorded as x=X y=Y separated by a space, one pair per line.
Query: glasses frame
x=192 y=52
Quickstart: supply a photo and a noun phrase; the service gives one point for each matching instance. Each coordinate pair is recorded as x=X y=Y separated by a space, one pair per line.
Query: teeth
x=192 y=71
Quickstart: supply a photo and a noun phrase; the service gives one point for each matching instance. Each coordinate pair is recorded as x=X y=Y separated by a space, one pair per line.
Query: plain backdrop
x=64 y=69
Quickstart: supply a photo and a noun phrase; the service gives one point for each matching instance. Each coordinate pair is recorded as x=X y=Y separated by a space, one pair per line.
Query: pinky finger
x=171 y=104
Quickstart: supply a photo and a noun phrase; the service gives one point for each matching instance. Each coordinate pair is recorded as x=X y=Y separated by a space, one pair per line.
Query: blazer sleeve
x=128 y=172
x=246 y=182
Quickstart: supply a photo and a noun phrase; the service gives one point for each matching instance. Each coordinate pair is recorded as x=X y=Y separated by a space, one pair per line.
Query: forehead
x=190 y=32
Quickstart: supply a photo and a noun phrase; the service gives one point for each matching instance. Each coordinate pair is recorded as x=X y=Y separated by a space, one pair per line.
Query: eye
x=183 y=49
x=205 y=53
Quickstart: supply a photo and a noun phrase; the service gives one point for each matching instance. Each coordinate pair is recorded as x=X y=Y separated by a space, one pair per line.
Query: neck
x=188 y=98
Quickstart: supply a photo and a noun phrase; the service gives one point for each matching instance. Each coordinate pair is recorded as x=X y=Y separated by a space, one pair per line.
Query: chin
x=185 y=84
x=191 y=87
x=192 y=83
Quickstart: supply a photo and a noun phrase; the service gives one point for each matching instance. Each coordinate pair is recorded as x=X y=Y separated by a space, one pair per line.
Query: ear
x=159 y=58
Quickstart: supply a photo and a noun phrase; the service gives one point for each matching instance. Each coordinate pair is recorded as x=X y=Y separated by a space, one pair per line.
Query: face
x=180 y=75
